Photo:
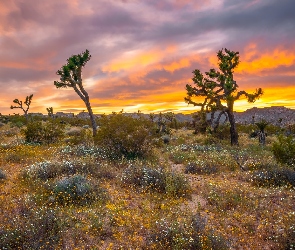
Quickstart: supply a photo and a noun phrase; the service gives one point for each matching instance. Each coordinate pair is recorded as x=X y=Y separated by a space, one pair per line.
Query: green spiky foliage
x=219 y=90
x=21 y=106
x=71 y=77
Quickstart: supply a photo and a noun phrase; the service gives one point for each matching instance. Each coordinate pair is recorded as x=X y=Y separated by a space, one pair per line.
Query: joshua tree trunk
x=85 y=97
x=234 y=137
x=92 y=118
x=261 y=136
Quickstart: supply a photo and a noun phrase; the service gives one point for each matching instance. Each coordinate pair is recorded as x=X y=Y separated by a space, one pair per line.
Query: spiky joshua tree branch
x=21 y=106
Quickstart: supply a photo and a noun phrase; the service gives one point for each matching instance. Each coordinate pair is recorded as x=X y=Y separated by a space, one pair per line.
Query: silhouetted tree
x=50 y=111
x=219 y=90
x=71 y=76
x=21 y=106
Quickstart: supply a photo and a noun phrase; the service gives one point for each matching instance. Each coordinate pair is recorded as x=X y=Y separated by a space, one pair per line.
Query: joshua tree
x=261 y=134
x=219 y=89
x=71 y=76
x=50 y=111
x=170 y=116
x=20 y=105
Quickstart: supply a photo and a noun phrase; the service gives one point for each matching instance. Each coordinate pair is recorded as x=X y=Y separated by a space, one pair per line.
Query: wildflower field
x=194 y=191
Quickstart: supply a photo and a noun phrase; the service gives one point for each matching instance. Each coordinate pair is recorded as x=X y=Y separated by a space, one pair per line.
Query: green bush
x=43 y=132
x=122 y=135
x=284 y=150
x=79 y=135
x=77 y=189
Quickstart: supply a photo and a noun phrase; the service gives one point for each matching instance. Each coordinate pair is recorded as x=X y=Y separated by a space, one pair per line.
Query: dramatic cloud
x=143 y=52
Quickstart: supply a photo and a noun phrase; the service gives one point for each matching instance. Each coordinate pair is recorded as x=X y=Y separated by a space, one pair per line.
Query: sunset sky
x=143 y=51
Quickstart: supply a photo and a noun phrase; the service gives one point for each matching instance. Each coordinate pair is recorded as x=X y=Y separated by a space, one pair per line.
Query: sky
x=143 y=52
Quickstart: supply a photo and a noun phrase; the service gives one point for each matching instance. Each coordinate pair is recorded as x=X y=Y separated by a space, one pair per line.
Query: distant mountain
x=276 y=115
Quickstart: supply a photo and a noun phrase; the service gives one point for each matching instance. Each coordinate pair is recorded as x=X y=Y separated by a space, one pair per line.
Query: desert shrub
x=188 y=235
x=17 y=120
x=2 y=174
x=122 y=135
x=157 y=180
x=39 y=230
x=74 y=131
x=46 y=170
x=11 y=238
x=200 y=168
x=145 y=177
x=225 y=200
x=10 y=132
x=273 y=177
x=177 y=185
x=79 y=135
x=82 y=150
x=284 y=150
x=168 y=235
x=40 y=132
x=179 y=157
x=77 y=189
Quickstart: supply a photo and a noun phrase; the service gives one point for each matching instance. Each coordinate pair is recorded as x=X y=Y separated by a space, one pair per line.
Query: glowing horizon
x=141 y=57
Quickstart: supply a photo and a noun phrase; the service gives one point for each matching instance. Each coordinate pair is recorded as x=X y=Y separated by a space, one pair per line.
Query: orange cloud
x=135 y=59
x=266 y=61
x=254 y=62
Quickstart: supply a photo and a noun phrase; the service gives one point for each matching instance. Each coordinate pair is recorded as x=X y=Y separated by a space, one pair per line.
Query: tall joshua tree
x=21 y=106
x=71 y=77
x=219 y=90
x=50 y=111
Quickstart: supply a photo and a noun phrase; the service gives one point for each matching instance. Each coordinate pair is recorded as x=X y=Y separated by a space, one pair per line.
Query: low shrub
x=79 y=135
x=43 y=132
x=169 y=235
x=200 y=168
x=39 y=230
x=284 y=150
x=46 y=170
x=77 y=189
x=122 y=135
x=188 y=235
x=147 y=178
x=177 y=186
x=273 y=177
